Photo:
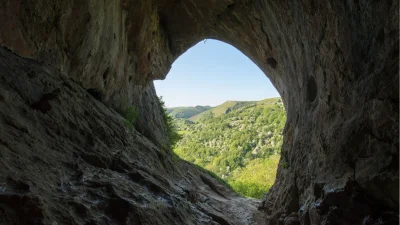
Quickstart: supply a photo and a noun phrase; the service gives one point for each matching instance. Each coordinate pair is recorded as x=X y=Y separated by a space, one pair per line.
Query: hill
x=269 y=100
x=187 y=112
x=219 y=110
x=241 y=146
x=228 y=106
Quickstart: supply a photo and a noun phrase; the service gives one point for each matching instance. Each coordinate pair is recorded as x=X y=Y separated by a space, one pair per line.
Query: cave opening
x=228 y=114
x=67 y=158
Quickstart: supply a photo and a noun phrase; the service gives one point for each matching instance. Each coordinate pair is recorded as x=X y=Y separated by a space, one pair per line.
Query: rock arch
x=335 y=64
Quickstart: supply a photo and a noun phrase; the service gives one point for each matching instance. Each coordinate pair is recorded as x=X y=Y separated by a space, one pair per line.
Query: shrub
x=172 y=132
x=131 y=116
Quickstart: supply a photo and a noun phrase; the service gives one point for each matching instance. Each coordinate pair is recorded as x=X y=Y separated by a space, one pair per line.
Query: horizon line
x=224 y=102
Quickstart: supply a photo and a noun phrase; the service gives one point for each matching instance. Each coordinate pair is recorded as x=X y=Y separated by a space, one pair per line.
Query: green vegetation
x=131 y=116
x=241 y=145
x=256 y=178
x=221 y=109
x=173 y=134
x=285 y=165
x=187 y=112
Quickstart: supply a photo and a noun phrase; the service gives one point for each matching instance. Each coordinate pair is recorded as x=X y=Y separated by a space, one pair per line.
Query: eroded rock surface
x=335 y=63
x=68 y=159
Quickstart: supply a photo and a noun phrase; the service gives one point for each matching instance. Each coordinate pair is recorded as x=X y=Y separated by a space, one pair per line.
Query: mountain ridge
x=184 y=112
x=216 y=111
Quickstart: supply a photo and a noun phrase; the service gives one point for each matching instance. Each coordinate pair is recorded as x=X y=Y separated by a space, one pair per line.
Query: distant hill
x=219 y=110
x=269 y=100
x=187 y=112
x=229 y=106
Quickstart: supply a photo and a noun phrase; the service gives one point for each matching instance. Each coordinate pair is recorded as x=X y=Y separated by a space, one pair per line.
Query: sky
x=211 y=73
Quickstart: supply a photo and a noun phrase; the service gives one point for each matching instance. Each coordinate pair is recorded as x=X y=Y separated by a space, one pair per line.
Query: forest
x=241 y=146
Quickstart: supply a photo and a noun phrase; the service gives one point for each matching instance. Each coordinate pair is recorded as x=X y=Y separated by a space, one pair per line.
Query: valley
x=238 y=142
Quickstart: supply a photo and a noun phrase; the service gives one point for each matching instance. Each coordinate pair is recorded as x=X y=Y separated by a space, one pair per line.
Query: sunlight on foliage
x=241 y=146
x=256 y=178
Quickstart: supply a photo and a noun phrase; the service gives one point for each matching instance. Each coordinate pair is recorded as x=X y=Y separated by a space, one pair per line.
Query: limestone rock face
x=65 y=156
x=68 y=159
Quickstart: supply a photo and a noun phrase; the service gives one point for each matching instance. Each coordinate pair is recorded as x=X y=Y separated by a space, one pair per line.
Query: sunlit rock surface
x=66 y=157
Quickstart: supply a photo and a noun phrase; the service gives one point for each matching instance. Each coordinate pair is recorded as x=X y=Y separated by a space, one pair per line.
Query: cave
x=66 y=157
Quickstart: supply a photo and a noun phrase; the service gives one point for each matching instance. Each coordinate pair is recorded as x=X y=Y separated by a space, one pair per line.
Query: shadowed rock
x=335 y=64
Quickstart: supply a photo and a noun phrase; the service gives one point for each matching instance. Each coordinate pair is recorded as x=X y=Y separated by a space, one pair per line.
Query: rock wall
x=335 y=64
x=66 y=158
x=104 y=46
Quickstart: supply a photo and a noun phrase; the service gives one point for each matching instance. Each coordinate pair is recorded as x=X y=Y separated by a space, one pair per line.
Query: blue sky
x=211 y=73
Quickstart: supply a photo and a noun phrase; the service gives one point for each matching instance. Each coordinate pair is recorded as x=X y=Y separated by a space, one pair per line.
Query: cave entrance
x=228 y=114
